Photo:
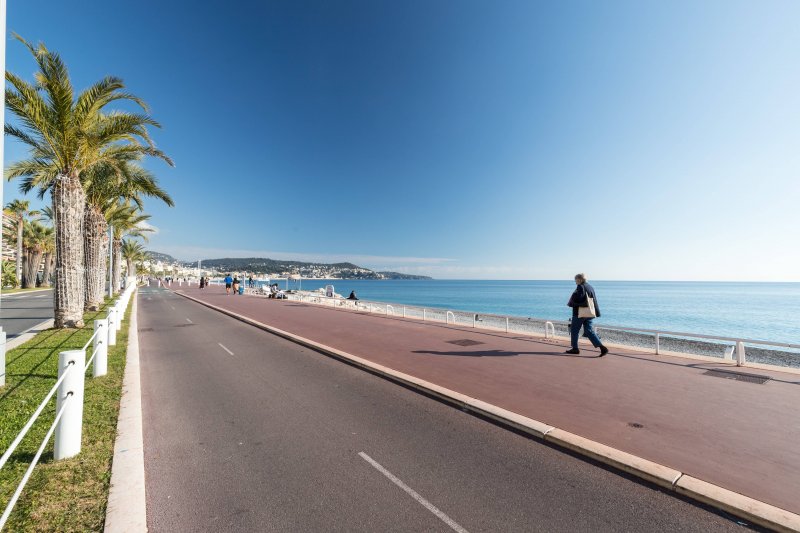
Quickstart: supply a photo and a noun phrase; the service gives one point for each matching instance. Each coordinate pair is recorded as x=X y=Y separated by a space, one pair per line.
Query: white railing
x=506 y=323
x=68 y=389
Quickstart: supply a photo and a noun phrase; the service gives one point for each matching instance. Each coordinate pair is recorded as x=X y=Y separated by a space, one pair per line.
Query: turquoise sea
x=762 y=311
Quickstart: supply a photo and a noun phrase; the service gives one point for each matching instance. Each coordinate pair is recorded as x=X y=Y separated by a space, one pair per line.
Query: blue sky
x=469 y=139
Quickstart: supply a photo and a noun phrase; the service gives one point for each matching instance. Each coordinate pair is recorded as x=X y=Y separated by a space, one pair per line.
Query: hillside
x=265 y=265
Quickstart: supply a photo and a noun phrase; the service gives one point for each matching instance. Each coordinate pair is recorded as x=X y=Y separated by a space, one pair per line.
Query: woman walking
x=584 y=309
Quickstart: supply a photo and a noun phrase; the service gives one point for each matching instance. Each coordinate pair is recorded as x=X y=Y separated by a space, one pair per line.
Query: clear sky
x=460 y=139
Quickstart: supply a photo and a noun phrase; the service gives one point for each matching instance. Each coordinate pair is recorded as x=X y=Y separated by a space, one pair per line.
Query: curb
x=750 y=509
x=126 y=510
x=30 y=333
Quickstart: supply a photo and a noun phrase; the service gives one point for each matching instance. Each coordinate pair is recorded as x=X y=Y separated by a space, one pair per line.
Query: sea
x=760 y=311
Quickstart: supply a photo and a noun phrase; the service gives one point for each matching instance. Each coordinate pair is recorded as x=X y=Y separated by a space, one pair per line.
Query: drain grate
x=145 y=329
x=465 y=342
x=182 y=325
x=738 y=376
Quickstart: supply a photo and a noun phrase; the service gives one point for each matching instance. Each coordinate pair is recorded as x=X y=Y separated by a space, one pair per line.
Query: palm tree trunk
x=131 y=268
x=19 y=251
x=117 y=264
x=48 y=267
x=32 y=261
x=69 y=201
x=93 y=240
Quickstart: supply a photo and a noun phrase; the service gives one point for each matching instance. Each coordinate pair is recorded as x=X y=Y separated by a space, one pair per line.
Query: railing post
x=100 y=366
x=2 y=357
x=120 y=314
x=112 y=327
x=740 y=353
x=404 y=311
x=474 y=320
x=506 y=324
x=658 y=343
x=423 y=314
x=68 y=432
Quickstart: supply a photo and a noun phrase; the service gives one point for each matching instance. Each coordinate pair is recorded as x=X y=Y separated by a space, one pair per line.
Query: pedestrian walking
x=584 y=310
x=228 y=282
x=202 y=282
x=235 y=284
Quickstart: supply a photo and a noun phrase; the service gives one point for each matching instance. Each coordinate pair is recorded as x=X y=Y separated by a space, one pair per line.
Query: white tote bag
x=589 y=310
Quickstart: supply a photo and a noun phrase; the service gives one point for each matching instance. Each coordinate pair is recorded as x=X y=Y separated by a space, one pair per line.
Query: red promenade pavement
x=742 y=436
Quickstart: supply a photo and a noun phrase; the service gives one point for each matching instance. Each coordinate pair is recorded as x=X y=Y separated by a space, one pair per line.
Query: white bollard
x=740 y=353
x=112 y=327
x=2 y=357
x=423 y=313
x=100 y=367
x=68 y=431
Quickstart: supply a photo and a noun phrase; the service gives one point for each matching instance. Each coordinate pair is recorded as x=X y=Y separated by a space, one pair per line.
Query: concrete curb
x=127 y=511
x=24 y=337
x=755 y=511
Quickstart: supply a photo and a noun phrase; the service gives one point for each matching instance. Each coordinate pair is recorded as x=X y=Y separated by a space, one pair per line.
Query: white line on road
x=172 y=307
x=189 y=320
x=411 y=492
x=224 y=348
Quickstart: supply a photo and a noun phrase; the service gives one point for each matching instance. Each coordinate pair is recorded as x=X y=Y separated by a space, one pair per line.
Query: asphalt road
x=244 y=431
x=21 y=311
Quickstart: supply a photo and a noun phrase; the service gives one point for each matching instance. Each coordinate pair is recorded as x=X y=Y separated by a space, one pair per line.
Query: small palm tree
x=46 y=215
x=67 y=136
x=134 y=253
x=9 y=275
x=18 y=210
x=37 y=237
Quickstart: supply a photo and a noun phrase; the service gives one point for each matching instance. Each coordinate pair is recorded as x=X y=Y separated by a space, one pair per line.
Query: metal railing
x=68 y=390
x=510 y=324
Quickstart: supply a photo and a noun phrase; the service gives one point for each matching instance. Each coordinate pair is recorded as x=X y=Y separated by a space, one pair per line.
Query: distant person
x=250 y=280
x=584 y=309
x=228 y=282
x=352 y=296
x=202 y=282
x=236 y=284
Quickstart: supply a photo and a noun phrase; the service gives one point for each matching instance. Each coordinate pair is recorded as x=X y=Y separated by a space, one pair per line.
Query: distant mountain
x=264 y=265
x=164 y=258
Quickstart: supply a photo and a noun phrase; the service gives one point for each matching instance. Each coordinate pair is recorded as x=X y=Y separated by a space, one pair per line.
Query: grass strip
x=68 y=495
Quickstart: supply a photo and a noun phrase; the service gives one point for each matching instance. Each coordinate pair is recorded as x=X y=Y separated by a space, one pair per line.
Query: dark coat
x=579 y=299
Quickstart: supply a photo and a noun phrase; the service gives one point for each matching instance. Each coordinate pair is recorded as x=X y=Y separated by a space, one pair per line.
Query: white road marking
x=411 y=492
x=189 y=320
x=224 y=348
x=171 y=307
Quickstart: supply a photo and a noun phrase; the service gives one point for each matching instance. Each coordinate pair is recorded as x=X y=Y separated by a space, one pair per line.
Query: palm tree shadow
x=498 y=353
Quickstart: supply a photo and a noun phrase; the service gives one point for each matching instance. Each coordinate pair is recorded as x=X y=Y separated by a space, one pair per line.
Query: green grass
x=68 y=495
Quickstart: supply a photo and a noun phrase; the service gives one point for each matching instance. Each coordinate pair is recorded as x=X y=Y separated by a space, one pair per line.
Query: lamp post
x=110 y=261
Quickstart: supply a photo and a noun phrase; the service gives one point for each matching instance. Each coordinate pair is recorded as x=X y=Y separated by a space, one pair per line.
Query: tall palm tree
x=66 y=136
x=133 y=252
x=127 y=220
x=18 y=210
x=105 y=186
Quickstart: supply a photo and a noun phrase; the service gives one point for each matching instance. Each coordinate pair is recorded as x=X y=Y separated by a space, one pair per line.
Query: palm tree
x=36 y=241
x=67 y=136
x=133 y=252
x=105 y=186
x=50 y=248
x=126 y=220
x=18 y=210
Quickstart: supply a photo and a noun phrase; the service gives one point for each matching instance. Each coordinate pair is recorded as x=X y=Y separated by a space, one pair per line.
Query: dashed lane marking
x=224 y=348
x=189 y=320
x=411 y=492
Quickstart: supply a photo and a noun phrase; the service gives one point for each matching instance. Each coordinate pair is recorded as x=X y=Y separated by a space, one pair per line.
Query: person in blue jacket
x=579 y=299
x=228 y=282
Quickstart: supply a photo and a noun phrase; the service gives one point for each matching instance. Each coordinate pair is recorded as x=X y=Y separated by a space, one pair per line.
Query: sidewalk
x=738 y=435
